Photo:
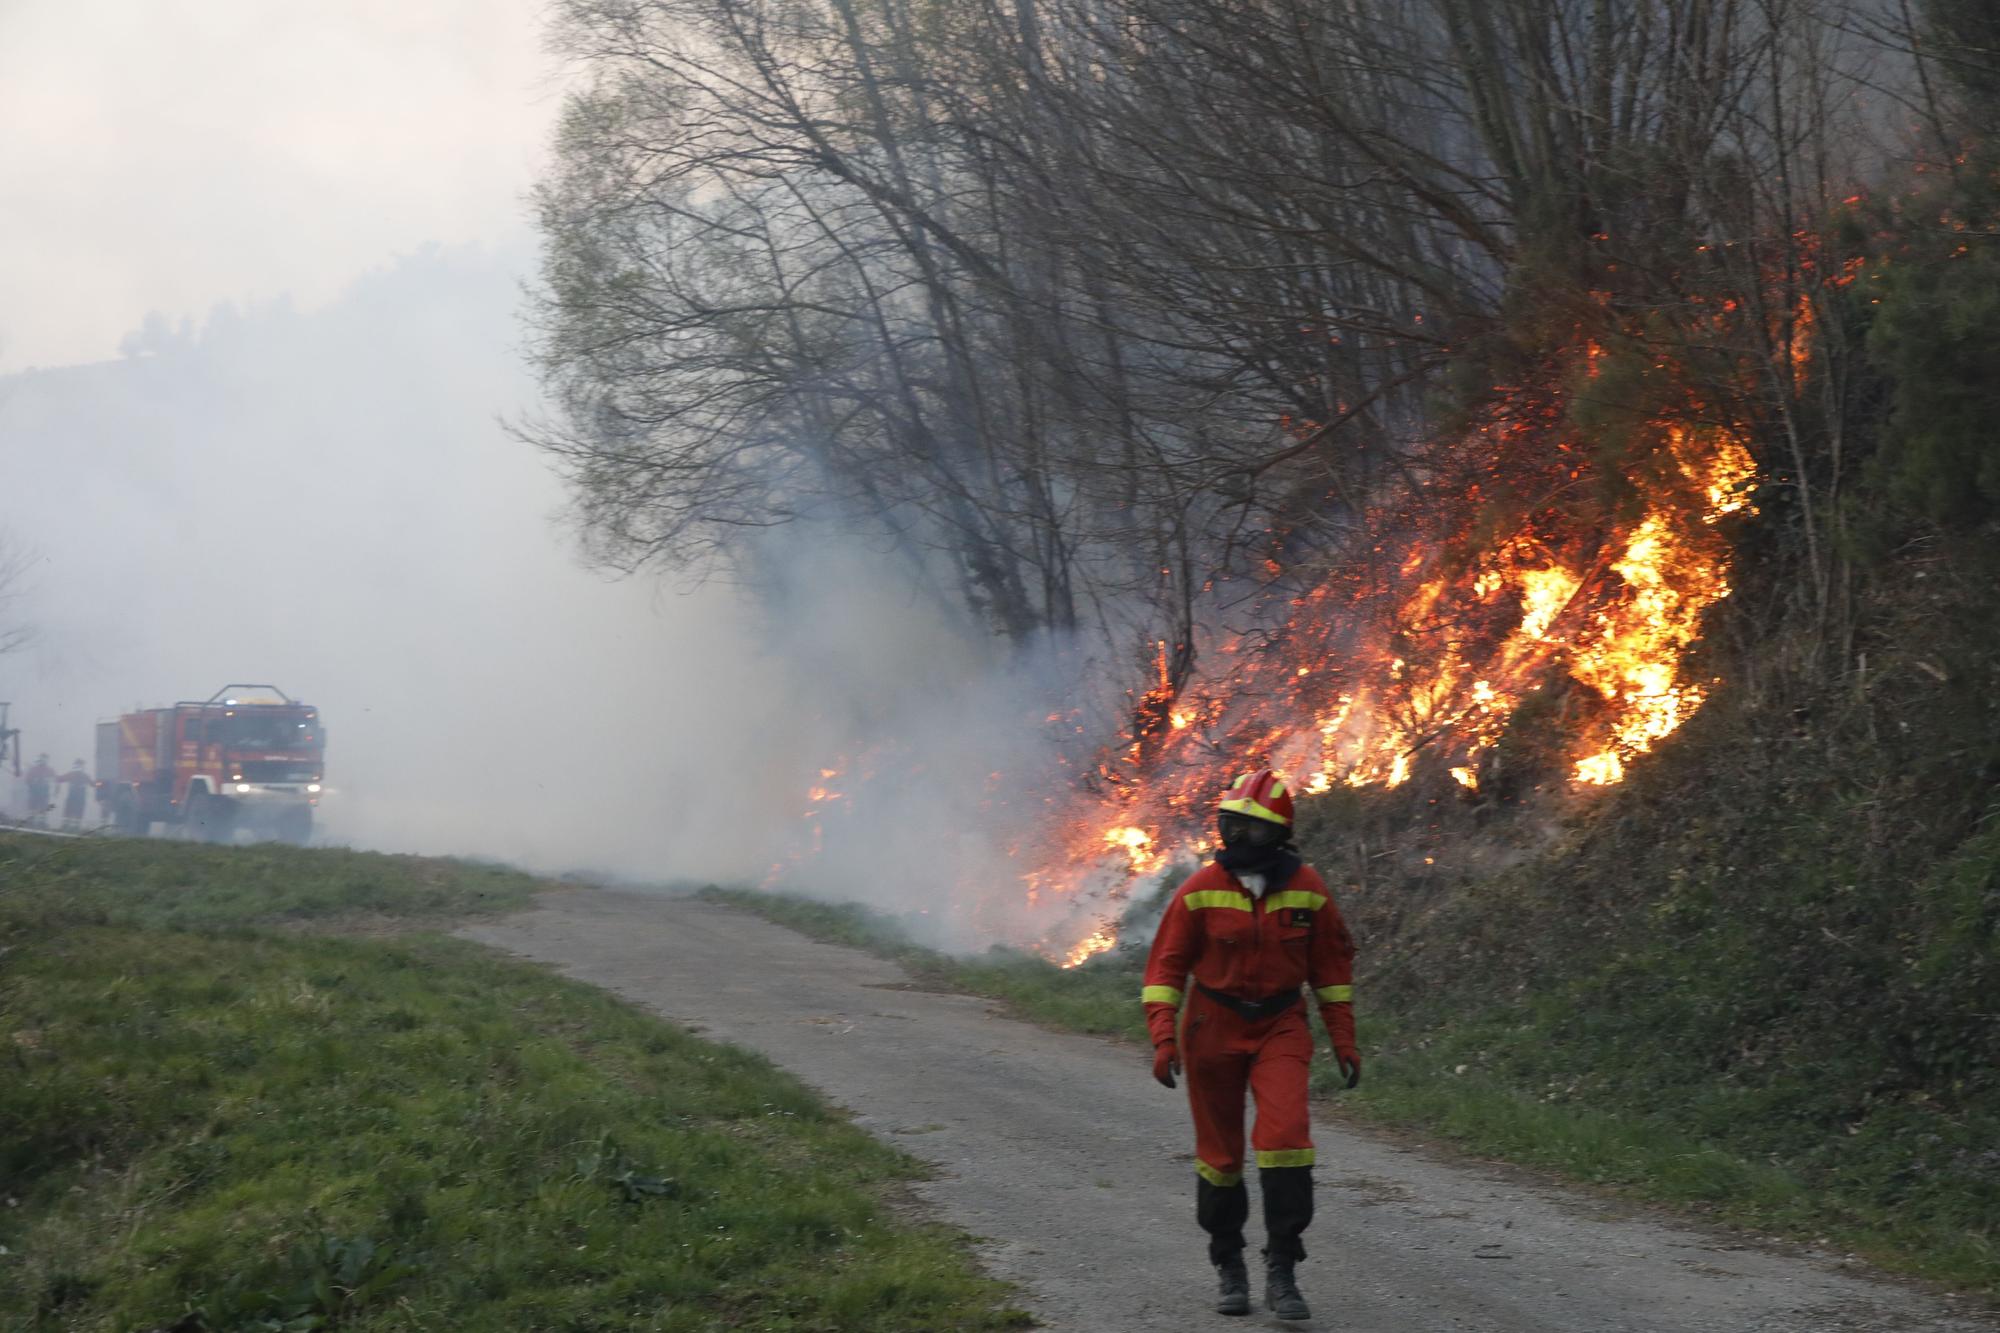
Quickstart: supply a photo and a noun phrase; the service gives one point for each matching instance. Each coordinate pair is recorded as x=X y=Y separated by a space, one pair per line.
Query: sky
x=167 y=155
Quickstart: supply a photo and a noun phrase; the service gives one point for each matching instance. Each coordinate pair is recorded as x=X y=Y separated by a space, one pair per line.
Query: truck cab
x=249 y=757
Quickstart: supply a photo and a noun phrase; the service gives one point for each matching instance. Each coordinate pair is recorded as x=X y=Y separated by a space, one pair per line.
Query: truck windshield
x=270 y=731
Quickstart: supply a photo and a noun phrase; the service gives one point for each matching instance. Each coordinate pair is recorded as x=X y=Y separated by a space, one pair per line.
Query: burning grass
x=1520 y=559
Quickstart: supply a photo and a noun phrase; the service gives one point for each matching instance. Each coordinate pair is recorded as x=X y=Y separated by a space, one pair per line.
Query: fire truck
x=249 y=757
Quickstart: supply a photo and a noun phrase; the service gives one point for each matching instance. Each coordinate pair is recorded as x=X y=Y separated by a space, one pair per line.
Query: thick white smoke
x=329 y=502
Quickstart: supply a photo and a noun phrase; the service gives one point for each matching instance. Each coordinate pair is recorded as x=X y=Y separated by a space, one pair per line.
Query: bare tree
x=1087 y=308
x=15 y=564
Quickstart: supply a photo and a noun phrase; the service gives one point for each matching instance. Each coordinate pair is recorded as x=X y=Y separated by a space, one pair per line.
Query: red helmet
x=1260 y=795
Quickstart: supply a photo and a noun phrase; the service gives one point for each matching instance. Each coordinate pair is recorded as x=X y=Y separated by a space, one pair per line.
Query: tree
x=1093 y=312
x=15 y=563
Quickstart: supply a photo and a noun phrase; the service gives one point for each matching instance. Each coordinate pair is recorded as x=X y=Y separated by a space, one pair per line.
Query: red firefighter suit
x=1247 y=948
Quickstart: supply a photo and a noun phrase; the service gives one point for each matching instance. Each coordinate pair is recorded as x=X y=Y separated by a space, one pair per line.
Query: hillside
x=1780 y=937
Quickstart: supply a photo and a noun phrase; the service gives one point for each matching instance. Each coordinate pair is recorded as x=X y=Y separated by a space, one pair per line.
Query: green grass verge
x=236 y=1128
x=193 y=886
x=1568 y=1080
x=1508 y=1087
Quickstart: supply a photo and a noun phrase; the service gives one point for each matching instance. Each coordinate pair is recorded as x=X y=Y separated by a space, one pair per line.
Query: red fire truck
x=249 y=757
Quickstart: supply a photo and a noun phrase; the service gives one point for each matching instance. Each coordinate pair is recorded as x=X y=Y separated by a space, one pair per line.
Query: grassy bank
x=1775 y=949
x=1772 y=985
x=213 y=1121
x=190 y=886
x=1572 y=1077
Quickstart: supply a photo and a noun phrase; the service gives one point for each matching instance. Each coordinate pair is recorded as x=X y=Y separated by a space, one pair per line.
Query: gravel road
x=1074 y=1168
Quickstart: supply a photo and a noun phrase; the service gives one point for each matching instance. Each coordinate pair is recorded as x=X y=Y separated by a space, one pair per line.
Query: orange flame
x=1138 y=845
x=1619 y=623
x=1090 y=946
x=1417 y=655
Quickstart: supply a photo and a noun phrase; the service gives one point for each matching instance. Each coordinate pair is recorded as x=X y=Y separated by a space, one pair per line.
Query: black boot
x=1232 y=1295
x=1281 y=1290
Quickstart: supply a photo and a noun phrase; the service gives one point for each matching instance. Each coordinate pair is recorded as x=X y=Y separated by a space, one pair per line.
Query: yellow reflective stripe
x=1335 y=994
x=1285 y=1157
x=1214 y=1177
x=1160 y=995
x=1217 y=898
x=1295 y=898
x=1246 y=806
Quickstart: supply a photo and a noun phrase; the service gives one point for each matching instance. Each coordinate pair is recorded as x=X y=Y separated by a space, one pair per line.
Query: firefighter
x=1238 y=942
x=41 y=778
x=78 y=782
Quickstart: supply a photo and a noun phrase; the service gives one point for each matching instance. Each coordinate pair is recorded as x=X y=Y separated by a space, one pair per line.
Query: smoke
x=937 y=788
x=328 y=502
x=316 y=491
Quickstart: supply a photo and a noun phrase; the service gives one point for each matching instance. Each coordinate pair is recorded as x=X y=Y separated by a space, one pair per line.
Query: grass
x=1725 y=1007
x=1575 y=1080
x=1506 y=1088
x=211 y=1123
x=190 y=886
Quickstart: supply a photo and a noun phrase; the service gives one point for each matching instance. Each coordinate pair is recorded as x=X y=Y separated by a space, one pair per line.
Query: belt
x=1252 y=1010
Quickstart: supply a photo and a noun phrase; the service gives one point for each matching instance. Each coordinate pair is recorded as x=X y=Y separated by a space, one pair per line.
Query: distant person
x=41 y=779
x=78 y=782
x=1251 y=931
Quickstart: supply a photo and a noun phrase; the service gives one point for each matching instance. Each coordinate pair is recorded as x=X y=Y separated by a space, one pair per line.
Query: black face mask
x=1244 y=834
x=1256 y=847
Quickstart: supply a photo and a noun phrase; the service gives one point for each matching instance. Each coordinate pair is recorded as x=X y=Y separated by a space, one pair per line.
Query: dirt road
x=1073 y=1167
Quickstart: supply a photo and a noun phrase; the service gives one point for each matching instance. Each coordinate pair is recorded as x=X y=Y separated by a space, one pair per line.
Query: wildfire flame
x=1138 y=845
x=1454 y=653
x=1090 y=946
x=1424 y=654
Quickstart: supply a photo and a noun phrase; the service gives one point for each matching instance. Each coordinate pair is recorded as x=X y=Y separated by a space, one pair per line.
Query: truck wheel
x=209 y=818
x=295 y=827
x=125 y=815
